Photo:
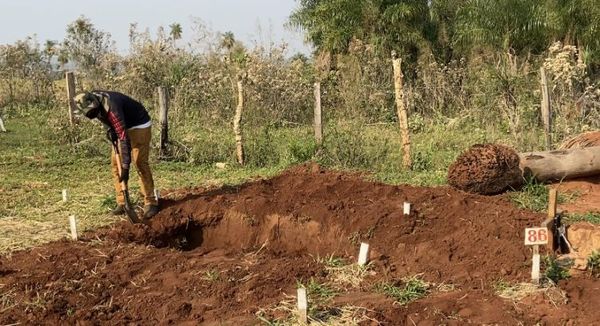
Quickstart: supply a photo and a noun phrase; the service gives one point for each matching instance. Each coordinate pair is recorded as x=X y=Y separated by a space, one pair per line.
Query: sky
x=252 y=21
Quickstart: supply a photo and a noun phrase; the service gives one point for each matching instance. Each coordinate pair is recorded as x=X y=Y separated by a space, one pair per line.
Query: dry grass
x=348 y=276
x=520 y=291
x=286 y=313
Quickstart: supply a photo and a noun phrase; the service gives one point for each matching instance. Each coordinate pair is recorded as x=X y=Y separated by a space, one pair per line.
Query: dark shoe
x=119 y=210
x=150 y=211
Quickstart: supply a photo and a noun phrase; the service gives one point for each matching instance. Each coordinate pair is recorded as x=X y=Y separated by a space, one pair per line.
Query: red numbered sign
x=536 y=236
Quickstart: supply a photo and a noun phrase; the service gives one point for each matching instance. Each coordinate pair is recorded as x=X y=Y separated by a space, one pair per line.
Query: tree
x=176 y=32
x=488 y=24
x=227 y=41
x=577 y=22
x=85 y=45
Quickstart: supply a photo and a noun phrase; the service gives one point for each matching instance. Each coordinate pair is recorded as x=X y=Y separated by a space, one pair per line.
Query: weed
x=590 y=217
x=331 y=261
x=414 y=288
x=211 y=275
x=318 y=292
x=593 y=263
x=533 y=196
x=553 y=271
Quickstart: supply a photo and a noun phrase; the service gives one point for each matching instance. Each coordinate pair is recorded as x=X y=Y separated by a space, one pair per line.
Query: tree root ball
x=486 y=169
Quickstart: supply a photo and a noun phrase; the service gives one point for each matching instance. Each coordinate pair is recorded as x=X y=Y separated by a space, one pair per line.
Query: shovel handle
x=119 y=167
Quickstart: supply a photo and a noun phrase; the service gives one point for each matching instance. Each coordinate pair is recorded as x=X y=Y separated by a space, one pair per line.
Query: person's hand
x=111 y=135
x=124 y=175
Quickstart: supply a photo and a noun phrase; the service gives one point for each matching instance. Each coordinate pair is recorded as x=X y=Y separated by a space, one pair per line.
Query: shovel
x=131 y=214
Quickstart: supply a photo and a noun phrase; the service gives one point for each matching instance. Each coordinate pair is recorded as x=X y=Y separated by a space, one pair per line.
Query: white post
x=535 y=266
x=156 y=194
x=64 y=195
x=73 y=224
x=407 y=208
x=363 y=255
x=302 y=305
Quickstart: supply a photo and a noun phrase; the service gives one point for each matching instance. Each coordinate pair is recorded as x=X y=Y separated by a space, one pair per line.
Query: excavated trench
x=448 y=235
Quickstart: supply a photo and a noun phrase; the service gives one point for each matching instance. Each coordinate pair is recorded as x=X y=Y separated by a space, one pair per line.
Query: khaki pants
x=140 y=151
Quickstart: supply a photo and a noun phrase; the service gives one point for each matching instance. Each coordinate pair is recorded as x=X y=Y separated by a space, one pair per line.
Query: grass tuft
x=413 y=289
x=554 y=271
x=593 y=264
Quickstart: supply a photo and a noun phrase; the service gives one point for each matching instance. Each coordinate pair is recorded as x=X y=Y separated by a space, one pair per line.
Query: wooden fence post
x=401 y=110
x=546 y=109
x=318 y=114
x=163 y=119
x=70 y=80
x=237 y=121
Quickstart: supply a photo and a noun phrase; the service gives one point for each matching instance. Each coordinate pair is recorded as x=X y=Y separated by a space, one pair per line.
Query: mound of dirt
x=221 y=256
x=487 y=169
x=588 y=139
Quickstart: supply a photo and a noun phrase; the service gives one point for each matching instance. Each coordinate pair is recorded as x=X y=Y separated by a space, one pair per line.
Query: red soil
x=486 y=169
x=219 y=256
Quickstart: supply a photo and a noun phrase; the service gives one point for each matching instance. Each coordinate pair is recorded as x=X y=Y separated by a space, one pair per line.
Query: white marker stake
x=73 y=224
x=363 y=255
x=156 y=194
x=302 y=305
x=64 y=194
x=535 y=266
x=406 y=208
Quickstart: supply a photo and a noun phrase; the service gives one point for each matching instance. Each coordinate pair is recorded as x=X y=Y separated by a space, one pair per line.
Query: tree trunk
x=237 y=122
x=561 y=164
x=401 y=110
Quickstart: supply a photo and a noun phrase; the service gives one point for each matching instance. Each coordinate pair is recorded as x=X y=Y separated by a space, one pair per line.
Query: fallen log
x=491 y=169
x=561 y=164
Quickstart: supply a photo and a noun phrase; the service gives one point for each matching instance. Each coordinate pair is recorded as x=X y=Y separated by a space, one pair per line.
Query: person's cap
x=86 y=102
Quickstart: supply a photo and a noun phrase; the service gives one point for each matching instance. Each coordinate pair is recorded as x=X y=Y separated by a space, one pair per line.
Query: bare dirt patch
x=220 y=256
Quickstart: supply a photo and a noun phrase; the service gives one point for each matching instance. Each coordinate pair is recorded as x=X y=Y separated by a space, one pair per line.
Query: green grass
x=412 y=289
x=534 y=196
x=553 y=271
x=590 y=217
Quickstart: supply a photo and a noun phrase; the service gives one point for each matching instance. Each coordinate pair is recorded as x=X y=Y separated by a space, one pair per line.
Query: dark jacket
x=120 y=113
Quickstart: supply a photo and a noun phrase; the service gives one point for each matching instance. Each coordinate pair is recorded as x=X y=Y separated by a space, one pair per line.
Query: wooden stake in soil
x=401 y=110
x=73 y=225
x=363 y=255
x=407 y=208
x=318 y=114
x=302 y=305
x=64 y=195
x=549 y=222
x=70 y=80
x=156 y=194
x=163 y=120
x=237 y=122
x=546 y=109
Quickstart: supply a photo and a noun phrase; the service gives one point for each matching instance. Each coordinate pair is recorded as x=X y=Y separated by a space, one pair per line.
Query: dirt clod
x=486 y=169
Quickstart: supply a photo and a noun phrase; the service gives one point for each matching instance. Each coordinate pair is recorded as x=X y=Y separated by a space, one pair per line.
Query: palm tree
x=228 y=41
x=487 y=23
x=176 y=32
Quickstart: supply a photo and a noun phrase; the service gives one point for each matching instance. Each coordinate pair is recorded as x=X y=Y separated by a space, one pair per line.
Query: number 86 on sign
x=536 y=236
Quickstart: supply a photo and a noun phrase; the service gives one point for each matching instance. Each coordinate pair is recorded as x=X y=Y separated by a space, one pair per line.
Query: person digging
x=128 y=127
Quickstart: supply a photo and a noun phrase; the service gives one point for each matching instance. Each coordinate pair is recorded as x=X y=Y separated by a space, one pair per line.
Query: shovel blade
x=131 y=214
